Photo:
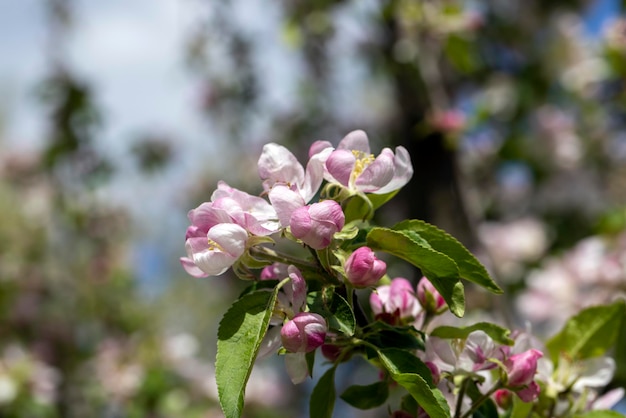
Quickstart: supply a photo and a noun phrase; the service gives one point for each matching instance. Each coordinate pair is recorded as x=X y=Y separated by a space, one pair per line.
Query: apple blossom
x=304 y=333
x=363 y=269
x=395 y=302
x=316 y=224
x=288 y=185
x=353 y=166
x=216 y=252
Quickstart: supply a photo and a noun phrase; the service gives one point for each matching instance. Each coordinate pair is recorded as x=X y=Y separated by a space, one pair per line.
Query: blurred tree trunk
x=434 y=193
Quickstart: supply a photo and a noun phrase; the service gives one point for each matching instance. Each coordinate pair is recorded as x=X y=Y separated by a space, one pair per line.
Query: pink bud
x=521 y=367
x=363 y=269
x=430 y=299
x=304 y=333
x=503 y=398
x=316 y=224
x=331 y=351
x=274 y=271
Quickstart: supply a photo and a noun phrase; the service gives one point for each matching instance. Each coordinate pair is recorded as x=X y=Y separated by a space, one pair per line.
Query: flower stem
x=275 y=256
x=476 y=404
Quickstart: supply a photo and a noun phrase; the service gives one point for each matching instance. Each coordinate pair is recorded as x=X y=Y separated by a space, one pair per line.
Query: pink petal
x=355 y=140
x=231 y=237
x=377 y=174
x=278 y=164
x=403 y=171
x=340 y=164
x=319 y=146
x=191 y=268
x=285 y=201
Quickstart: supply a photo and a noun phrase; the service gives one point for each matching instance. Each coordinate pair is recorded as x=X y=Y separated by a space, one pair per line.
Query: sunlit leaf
x=239 y=336
x=590 y=333
x=413 y=375
x=440 y=269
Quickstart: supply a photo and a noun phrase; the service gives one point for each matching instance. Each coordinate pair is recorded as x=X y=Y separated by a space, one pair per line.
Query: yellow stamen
x=363 y=160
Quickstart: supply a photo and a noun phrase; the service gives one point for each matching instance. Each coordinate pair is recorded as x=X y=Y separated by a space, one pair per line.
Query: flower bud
x=363 y=269
x=316 y=224
x=503 y=398
x=430 y=299
x=521 y=368
x=304 y=333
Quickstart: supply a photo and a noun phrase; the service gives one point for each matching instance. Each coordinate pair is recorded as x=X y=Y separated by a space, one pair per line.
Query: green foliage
x=322 y=399
x=590 y=333
x=440 y=269
x=383 y=335
x=334 y=308
x=413 y=375
x=239 y=337
x=496 y=332
x=367 y=396
x=470 y=268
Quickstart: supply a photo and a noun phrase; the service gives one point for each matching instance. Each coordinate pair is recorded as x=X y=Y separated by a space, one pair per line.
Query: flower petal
x=230 y=237
x=297 y=367
x=285 y=201
x=191 y=268
x=340 y=165
x=278 y=165
x=403 y=171
x=355 y=140
x=378 y=174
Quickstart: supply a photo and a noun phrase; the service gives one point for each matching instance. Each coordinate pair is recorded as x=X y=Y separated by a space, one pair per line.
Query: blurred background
x=118 y=117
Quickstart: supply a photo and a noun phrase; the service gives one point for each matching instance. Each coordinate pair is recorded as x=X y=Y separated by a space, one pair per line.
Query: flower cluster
x=299 y=301
x=221 y=230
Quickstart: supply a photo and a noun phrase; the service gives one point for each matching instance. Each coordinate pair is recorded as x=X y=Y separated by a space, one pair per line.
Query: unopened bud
x=304 y=333
x=363 y=268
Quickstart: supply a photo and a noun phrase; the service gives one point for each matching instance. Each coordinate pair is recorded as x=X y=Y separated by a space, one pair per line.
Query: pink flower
x=288 y=185
x=363 y=269
x=521 y=368
x=251 y=212
x=304 y=333
x=353 y=166
x=215 y=252
x=430 y=299
x=395 y=302
x=316 y=224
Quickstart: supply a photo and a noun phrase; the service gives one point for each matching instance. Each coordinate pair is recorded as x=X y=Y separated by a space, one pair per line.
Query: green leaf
x=413 y=375
x=239 y=336
x=366 y=397
x=440 y=269
x=470 y=268
x=334 y=308
x=496 y=332
x=600 y=414
x=322 y=399
x=520 y=409
x=590 y=333
x=383 y=335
